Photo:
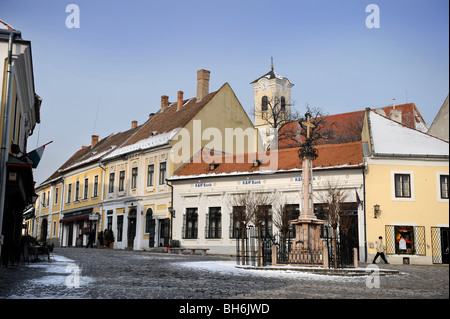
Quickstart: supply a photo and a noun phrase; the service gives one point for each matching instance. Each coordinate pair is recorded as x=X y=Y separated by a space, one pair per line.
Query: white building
x=202 y=192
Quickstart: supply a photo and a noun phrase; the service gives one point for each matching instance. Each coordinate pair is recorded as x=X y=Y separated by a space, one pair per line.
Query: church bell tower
x=272 y=98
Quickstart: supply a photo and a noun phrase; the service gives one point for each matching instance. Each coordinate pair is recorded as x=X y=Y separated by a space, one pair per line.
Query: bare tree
x=276 y=113
x=250 y=207
x=282 y=214
x=241 y=215
x=295 y=133
x=333 y=198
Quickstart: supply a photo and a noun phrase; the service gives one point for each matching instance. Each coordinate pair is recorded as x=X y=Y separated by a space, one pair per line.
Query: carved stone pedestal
x=307 y=248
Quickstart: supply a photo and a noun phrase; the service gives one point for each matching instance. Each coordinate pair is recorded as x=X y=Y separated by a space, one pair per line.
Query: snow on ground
x=61 y=271
x=229 y=268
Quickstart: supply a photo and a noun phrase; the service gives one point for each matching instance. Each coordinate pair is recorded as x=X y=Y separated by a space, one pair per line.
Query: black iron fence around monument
x=249 y=251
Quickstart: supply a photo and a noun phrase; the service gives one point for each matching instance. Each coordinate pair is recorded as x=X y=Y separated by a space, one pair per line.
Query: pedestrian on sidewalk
x=380 y=250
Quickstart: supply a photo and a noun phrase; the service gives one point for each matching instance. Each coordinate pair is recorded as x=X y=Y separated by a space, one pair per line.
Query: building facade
x=20 y=112
x=119 y=183
x=406 y=191
x=203 y=192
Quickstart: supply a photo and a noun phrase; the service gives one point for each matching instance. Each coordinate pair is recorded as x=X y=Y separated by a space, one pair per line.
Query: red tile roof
x=330 y=156
x=347 y=126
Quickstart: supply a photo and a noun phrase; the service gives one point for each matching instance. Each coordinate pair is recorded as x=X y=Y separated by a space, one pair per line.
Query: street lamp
x=376 y=211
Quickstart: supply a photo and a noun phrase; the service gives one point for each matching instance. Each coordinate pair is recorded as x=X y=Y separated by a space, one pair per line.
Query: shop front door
x=131 y=229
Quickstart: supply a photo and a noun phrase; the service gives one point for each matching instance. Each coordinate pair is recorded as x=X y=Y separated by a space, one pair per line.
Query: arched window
x=148 y=220
x=283 y=104
x=264 y=103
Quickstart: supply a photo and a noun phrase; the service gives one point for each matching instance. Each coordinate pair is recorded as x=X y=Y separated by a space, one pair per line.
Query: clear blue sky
x=126 y=54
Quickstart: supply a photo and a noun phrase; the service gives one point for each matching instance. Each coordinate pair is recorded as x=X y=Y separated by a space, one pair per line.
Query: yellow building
x=19 y=110
x=406 y=196
x=138 y=200
x=119 y=183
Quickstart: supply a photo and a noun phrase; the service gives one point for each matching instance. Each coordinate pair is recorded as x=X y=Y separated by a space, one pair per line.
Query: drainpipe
x=365 y=213
x=171 y=210
x=6 y=128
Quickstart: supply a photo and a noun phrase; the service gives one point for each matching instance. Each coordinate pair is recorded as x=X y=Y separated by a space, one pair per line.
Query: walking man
x=380 y=250
x=91 y=239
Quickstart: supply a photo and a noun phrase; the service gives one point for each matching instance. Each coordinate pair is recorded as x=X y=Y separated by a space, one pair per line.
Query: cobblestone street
x=122 y=274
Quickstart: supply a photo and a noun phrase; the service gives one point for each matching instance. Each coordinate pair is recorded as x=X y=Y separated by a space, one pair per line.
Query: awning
x=77 y=215
x=29 y=213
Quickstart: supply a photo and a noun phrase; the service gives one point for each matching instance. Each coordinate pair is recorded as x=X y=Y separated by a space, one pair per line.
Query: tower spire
x=271 y=64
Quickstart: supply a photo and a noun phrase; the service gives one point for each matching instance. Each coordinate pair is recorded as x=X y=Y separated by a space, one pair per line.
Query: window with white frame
x=150 y=175
x=162 y=173
x=443 y=183
x=134 y=175
x=95 y=188
x=112 y=176
x=77 y=191
x=402 y=185
x=86 y=188
x=69 y=193
x=121 y=181
x=56 y=195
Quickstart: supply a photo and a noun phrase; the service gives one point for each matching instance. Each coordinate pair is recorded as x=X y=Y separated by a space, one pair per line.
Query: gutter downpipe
x=171 y=210
x=365 y=213
x=6 y=128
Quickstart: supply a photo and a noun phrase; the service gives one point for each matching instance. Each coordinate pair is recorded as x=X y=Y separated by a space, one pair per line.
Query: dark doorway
x=445 y=245
x=131 y=228
x=152 y=223
x=70 y=234
x=164 y=225
x=44 y=230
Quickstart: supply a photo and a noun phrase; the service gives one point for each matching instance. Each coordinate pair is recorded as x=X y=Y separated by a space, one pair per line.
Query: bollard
x=355 y=257
x=274 y=255
x=325 y=257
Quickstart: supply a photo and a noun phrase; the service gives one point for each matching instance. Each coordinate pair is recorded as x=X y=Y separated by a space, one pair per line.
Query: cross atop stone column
x=308 y=124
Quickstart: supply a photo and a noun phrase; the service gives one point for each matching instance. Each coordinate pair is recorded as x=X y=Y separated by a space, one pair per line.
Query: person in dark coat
x=91 y=239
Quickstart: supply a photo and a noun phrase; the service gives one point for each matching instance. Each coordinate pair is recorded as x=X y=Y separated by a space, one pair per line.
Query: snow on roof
x=152 y=141
x=5 y=26
x=390 y=137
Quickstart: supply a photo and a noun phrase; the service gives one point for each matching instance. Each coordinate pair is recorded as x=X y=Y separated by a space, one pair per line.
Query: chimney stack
x=134 y=124
x=395 y=114
x=202 y=84
x=94 y=140
x=164 y=102
x=179 y=100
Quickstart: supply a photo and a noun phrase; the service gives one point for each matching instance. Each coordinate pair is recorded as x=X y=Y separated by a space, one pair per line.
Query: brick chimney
x=202 y=84
x=179 y=100
x=94 y=140
x=134 y=124
x=164 y=102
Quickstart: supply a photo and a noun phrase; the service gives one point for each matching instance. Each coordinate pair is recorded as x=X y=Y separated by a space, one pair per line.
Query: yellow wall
x=222 y=112
x=81 y=202
x=423 y=209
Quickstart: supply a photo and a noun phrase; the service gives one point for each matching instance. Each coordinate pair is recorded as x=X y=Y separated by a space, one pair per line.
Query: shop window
x=214 y=223
x=190 y=227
